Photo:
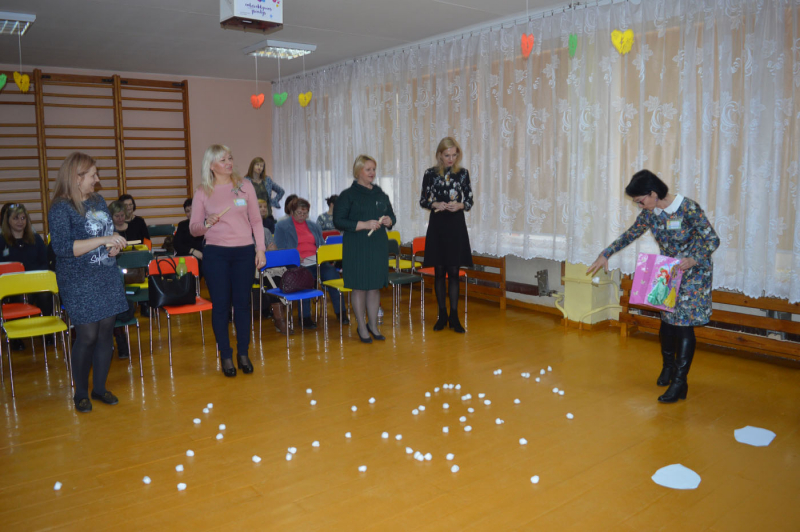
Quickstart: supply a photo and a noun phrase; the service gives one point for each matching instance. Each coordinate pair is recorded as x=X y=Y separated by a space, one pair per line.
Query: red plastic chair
x=329 y=232
x=13 y=311
x=418 y=246
x=199 y=305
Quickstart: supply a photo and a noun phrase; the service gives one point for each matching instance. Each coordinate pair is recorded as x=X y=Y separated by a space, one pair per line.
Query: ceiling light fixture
x=15 y=23
x=279 y=49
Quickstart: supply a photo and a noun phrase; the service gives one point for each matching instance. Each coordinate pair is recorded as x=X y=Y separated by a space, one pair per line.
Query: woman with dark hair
x=447 y=192
x=136 y=224
x=325 y=220
x=287 y=208
x=186 y=244
x=681 y=230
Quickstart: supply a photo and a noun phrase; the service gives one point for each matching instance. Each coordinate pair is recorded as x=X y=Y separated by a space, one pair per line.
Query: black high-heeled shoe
x=455 y=324
x=244 y=364
x=441 y=323
x=366 y=340
x=230 y=371
x=376 y=336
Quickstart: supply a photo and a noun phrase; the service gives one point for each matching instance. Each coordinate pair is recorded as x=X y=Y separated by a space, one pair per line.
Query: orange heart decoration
x=257 y=100
x=23 y=81
x=622 y=41
x=304 y=99
x=527 y=45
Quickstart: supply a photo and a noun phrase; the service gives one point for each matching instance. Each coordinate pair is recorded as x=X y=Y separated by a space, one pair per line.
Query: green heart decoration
x=3 y=79
x=573 y=44
x=280 y=98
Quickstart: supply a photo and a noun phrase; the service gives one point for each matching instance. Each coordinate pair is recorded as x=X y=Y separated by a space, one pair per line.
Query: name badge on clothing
x=674 y=225
x=6 y=252
x=240 y=202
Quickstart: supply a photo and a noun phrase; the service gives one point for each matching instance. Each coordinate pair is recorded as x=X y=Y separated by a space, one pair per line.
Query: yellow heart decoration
x=622 y=41
x=304 y=99
x=23 y=81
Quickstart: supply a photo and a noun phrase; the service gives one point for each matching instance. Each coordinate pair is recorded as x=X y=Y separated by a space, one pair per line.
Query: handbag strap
x=171 y=261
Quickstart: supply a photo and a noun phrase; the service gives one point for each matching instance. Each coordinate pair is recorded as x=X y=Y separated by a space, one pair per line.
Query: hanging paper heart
x=527 y=45
x=573 y=44
x=23 y=81
x=280 y=98
x=3 y=79
x=622 y=41
x=304 y=99
x=257 y=100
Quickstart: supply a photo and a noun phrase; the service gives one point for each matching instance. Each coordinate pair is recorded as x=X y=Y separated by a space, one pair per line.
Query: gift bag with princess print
x=656 y=282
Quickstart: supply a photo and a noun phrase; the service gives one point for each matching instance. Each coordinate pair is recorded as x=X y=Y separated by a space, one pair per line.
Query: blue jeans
x=229 y=277
x=327 y=272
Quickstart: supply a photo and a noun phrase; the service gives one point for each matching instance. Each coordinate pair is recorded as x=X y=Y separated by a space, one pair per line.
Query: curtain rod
x=463 y=33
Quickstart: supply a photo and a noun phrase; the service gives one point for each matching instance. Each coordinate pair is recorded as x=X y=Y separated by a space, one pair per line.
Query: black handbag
x=296 y=279
x=170 y=290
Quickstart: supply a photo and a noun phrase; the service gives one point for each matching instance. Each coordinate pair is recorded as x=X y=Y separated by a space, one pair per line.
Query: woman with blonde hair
x=362 y=212
x=85 y=244
x=447 y=192
x=225 y=211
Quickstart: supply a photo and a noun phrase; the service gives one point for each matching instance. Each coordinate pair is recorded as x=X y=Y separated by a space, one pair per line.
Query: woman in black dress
x=446 y=191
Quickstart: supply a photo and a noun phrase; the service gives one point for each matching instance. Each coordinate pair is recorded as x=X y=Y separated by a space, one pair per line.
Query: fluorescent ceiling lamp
x=281 y=49
x=15 y=23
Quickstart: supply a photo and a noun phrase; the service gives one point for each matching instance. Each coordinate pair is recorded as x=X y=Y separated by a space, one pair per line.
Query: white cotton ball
x=210 y=406
x=436 y=390
x=292 y=450
x=427 y=394
x=190 y=453
x=549 y=368
x=516 y=401
x=313 y=402
x=445 y=429
x=450 y=456
x=470 y=410
x=385 y=435
x=205 y=410
x=181 y=486
x=179 y=468
x=454 y=469
x=570 y=416
x=467 y=428
x=428 y=457
x=463 y=419
x=596 y=280
x=409 y=450
x=314 y=444
x=542 y=372
x=458 y=386
x=308 y=390
x=445 y=406
x=421 y=408
x=398 y=437
x=538 y=379
x=535 y=479
x=487 y=402
x=354 y=408
x=499 y=371
x=523 y=441
x=196 y=421
x=415 y=411
x=57 y=486
x=289 y=456
x=481 y=395
x=372 y=400
x=555 y=390
x=220 y=436
x=419 y=456
x=466 y=397
x=362 y=469
x=222 y=426
x=560 y=392
x=256 y=458
x=498 y=421
x=347 y=434
x=146 y=480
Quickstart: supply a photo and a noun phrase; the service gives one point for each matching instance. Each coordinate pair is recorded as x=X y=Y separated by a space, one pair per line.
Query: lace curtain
x=707 y=98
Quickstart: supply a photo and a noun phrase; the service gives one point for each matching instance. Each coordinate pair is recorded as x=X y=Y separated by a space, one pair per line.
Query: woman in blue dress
x=682 y=231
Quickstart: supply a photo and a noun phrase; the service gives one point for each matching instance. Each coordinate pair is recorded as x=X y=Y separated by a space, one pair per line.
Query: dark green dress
x=365 y=264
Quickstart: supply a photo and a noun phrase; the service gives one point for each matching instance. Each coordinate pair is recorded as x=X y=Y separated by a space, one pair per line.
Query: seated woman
x=325 y=220
x=289 y=199
x=20 y=243
x=127 y=230
x=297 y=232
x=267 y=220
x=137 y=223
x=185 y=243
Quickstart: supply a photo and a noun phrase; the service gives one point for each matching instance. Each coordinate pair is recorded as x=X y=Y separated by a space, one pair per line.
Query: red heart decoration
x=257 y=100
x=527 y=45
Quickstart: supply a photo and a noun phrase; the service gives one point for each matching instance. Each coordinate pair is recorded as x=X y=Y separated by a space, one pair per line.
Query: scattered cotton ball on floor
x=458 y=386
x=538 y=379
x=450 y=456
x=409 y=450
x=362 y=469
x=372 y=400
x=535 y=479
x=289 y=456
x=210 y=406
x=196 y=421
x=498 y=421
x=385 y=435
x=347 y=434
x=190 y=453
x=354 y=408
x=445 y=406
x=428 y=457
x=487 y=402
x=419 y=456
x=146 y=480
x=205 y=410
x=470 y=410
x=560 y=392
x=314 y=444
x=523 y=441
x=179 y=468
x=313 y=402
x=467 y=428
x=415 y=411
x=549 y=368
x=499 y=371
x=427 y=394
x=570 y=416
x=256 y=458
x=222 y=426
x=466 y=397
x=57 y=486
x=445 y=429
x=463 y=419
x=436 y=390
x=181 y=486
x=542 y=372
x=220 y=436
x=308 y=390
x=398 y=437
x=421 y=408
x=555 y=390
x=481 y=395
x=454 y=469
x=292 y=450
x=516 y=401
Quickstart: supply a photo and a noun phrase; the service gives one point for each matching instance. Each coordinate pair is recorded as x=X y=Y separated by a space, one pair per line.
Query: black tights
x=92 y=351
x=452 y=288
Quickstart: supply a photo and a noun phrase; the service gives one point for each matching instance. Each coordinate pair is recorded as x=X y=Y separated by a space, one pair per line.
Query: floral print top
x=682 y=232
x=325 y=221
x=447 y=188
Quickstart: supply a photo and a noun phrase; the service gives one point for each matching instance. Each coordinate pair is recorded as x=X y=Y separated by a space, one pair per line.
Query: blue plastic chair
x=334 y=239
x=283 y=258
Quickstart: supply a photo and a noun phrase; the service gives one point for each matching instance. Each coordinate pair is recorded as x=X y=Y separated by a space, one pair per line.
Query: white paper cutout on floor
x=190 y=453
x=454 y=469
x=256 y=458
x=428 y=457
x=222 y=426
x=179 y=468
x=535 y=479
x=57 y=486
x=289 y=456
x=516 y=401
x=415 y=411
x=347 y=435
x=409 y=450
x=450 y=456
x=498 y=421
x=445 y=429
x=196 y=421
x=385 y=435
x=445 y=406
x=292 y=450
x=470 y=410
x=205 y=410
x=146 y=480
x=560 y=392
x=308 y=390
x=362 y=469
x=181 y=486
x=487 y=402
x=210 y=406
x=220 y=436
x=570 y=416
x=523 y=441
x=314 y=444
x=677 y=477
x=427 y=394
x=754 y=436
x=467 y=428
x=398 y=437
x=421 y=408
x=372 y=400
x=463 y=419
x=354 y=408
x=313 y=402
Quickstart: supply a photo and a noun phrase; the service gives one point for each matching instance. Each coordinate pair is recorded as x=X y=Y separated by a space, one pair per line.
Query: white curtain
x=708 y=98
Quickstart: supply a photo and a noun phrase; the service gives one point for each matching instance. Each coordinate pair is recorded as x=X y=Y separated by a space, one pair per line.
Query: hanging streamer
x=526 y=42
x=304 y=98
x=23 y=81
x=257 y=100
x=280 y=97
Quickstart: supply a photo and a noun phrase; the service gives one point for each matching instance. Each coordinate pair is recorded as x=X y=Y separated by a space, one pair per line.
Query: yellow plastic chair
x=400 y=264
x=331 y=253
x=14 y=284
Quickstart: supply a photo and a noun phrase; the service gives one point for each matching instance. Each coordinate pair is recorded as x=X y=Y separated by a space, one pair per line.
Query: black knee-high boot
x=668 y=344
x=679 y=387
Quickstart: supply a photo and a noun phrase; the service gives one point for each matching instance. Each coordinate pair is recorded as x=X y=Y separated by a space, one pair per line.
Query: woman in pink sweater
x=225 y=212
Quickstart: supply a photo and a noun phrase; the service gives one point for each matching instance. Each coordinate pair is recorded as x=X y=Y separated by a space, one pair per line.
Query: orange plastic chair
x=200 y=304
x=13 y=311
x=418 y=246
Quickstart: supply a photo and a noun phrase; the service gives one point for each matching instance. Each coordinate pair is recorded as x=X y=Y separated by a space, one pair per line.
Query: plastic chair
x=402 y=264
x=161 y=230
x=289 y=257
x=127 y=324
x=399 y=279
x=199 y=305
x=14 y=284
x=330 y=232
x=13 y=311
x=418 y=246
x=130 y=260
x=334 y=239
x=331 y=253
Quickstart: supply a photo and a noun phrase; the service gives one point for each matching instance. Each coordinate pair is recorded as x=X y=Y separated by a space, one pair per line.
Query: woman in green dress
x=364 y=213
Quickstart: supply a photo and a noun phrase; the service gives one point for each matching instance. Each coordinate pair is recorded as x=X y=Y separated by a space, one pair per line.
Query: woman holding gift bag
x=682 y=231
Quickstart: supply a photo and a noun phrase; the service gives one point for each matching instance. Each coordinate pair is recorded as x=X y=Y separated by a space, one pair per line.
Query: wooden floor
x=595 y=469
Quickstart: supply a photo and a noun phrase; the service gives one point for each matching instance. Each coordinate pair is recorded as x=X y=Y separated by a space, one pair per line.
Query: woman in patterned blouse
x=682 y=231
x=265 y=186
x=446 y=191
